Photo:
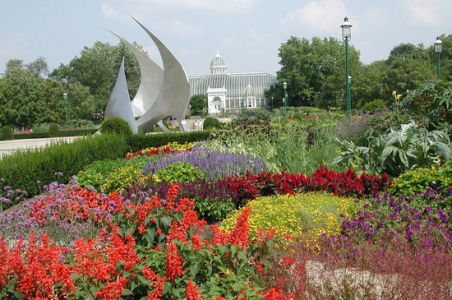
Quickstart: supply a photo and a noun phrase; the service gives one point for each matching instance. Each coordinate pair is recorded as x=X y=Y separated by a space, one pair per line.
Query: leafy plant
x=430 y=104
x=402 y=149
x=418 y=180
x=54 y=130
x=179 y=172
x=211 y=123
x=7 y=132
x=116 y=125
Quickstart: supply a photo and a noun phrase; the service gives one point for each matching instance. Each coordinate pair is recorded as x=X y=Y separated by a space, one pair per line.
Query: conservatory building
x=230 y=92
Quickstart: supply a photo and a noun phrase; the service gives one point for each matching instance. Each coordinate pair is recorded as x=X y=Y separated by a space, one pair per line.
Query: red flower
x=112 y=290
x=192 y=292
x=173 y=262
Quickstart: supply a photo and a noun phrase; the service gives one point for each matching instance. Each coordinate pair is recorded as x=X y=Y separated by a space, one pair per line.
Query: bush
x=54 y=129
x=305 y=215
x=110 y=175
x=139 y=141
x=7 y=132
x=116 y=125
x=211 y=123
x=30 y=170
x=418 y=180
x=397 y=151
x=179 y=172
x=374 y=105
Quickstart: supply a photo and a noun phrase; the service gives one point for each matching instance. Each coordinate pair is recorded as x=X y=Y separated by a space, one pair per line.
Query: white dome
x=218 y=65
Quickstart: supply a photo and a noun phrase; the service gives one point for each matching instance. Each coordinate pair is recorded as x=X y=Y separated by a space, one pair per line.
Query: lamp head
x=346 y=29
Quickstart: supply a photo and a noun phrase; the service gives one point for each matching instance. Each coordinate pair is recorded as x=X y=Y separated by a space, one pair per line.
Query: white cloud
x=217 y=6
x=426 y=12
x=321 y=15
x=184 y=29
x=111 y=12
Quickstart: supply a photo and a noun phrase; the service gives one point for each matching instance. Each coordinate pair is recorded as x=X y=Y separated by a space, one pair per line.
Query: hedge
x=140 y=141
x=30 y=170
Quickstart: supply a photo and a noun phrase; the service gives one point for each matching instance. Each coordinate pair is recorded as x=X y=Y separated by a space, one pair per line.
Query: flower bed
x=158 y=248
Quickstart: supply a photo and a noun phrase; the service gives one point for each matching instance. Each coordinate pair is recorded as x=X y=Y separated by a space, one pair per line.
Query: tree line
x=313 y=69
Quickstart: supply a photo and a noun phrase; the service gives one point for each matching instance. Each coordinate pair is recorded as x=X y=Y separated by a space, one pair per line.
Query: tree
x=368 y=84
x=446 y=57
x=314 y=71
x=26 y=99
x=97 y=69
x=198 y=105
x=409 y=67
x=39 y=67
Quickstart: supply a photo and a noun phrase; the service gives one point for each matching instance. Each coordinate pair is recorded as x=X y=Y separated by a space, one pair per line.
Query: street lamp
x=346 y=36
x=285 y=95
x=438 y=49
x=65 y=106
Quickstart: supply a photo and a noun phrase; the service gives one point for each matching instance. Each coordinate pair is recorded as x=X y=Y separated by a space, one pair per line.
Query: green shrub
x=403 y=148
x=7 y=132
x=374 y=105
x=430 y=104
x=179 y=172
x=305 y=215
x=211 y=123
x=30 y=170
x=109 y=175
x=139 y=141
x=54 y=130
x=418 y=180
x=214 y=211
x=116 y=125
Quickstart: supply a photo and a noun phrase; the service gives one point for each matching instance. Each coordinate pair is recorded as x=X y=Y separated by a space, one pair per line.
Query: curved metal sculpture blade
x=174 y=94
x=151 y=80
x=119 y=102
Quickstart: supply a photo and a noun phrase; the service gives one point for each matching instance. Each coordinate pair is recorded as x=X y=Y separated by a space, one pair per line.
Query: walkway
x=9 y=147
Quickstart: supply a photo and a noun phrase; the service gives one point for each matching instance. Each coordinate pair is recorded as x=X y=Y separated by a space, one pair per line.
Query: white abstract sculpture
x=161 y=93
x=119 y=102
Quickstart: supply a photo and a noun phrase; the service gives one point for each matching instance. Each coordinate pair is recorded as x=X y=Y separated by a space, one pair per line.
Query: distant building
x=231 y=92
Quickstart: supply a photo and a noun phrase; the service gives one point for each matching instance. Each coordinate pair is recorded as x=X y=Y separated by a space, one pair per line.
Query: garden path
x=11 y=146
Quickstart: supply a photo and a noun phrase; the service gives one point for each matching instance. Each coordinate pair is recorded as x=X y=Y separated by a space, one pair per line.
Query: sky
x=247 y=33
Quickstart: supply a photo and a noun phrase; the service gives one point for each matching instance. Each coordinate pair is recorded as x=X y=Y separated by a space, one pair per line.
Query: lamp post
x=65 y=106
x=346 y=36
x=285 y=95
x=438 y=49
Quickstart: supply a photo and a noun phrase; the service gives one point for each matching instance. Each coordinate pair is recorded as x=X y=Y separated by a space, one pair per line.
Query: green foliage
x=31 y=170
x=198 y=105
x=430 y=104
x=373 y=105
x=140 y=141
x=399 y=150
x=211 y=123
x=289 y=146
x=251 y=115
x=214 y=211
x=179 y=172
x=116 y=125
x=306 y=215
x=91 y=76
x=54 y=129
x=7 y=132
x=418 y=180
x=27 y=99
x=110 y=175
x=314 y=71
